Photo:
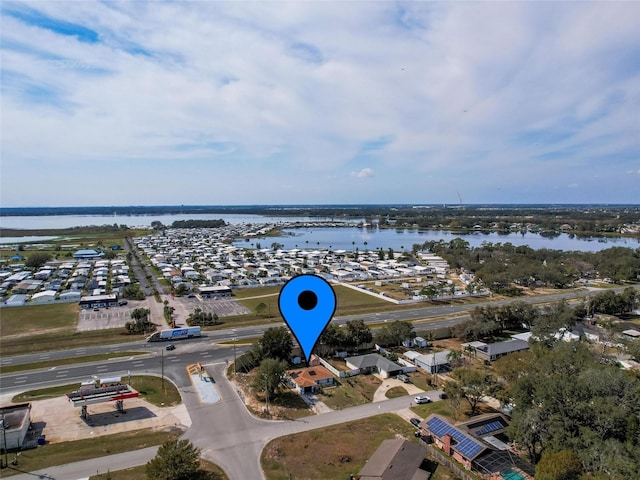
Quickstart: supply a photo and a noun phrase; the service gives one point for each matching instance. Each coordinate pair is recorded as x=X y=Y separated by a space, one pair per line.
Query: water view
x=347 y=238
x=351 y=237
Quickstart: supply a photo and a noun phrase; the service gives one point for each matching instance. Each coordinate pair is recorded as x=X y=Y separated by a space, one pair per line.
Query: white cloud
x=487 y=96
x=364 y=173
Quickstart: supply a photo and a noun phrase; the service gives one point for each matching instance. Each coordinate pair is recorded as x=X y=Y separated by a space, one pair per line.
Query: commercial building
x=15 y=420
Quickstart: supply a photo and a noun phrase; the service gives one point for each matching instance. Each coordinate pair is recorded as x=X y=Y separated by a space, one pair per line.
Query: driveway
x=388 y=383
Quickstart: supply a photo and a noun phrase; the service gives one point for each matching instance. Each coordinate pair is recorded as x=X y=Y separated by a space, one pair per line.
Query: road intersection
x=226 y=432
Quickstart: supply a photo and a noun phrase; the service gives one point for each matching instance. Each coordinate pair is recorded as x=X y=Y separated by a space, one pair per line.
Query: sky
x=319 y=102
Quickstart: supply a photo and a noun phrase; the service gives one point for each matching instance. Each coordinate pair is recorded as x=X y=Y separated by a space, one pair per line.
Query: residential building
x=307 y=380
x=373 y=363
x=396 y=459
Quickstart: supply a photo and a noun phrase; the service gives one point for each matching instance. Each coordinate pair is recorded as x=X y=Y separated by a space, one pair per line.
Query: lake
x=351 y=237
x=335 y=238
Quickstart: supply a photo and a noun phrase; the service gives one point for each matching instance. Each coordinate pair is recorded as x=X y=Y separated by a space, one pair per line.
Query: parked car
x=415 y=422
x=96 y=309
x=171 y=347
x=422 y=399
x=122 y=302
x=403 y=378
x=443 y=396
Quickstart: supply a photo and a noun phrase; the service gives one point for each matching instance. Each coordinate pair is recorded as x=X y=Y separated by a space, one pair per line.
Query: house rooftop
x=307 y=377
x=373 y=360
x=396 y=459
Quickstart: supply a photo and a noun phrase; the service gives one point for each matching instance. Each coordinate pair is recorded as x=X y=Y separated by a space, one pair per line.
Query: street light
x=235 y=368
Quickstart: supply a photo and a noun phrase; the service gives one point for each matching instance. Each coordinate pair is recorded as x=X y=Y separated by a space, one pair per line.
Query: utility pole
x=162 y=370
x=4 y=444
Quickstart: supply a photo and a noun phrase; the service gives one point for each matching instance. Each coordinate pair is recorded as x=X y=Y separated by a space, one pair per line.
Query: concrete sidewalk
x=205 y=386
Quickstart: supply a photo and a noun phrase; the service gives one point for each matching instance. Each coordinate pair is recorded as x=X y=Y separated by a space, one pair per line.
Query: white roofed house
x=70 y=296
x=434 y=362
x=48 y=296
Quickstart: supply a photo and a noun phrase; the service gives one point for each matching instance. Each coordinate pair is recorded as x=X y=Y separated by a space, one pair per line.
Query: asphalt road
x=460 y=312
x=226 y=432
x=174 y=366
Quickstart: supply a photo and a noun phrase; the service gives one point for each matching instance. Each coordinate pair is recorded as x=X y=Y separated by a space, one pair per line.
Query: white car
x=422 y=399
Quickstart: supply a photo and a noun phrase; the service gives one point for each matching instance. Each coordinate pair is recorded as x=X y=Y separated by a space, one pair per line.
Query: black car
x=171 y=347
x=415 y=422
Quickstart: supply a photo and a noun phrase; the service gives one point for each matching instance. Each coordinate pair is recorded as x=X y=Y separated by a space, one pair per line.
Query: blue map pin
x=307 y=303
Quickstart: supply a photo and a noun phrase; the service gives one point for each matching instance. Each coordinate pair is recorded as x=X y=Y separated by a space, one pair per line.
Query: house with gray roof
x=434 y=362
x=373 y=363
x=396 y=459
x=493 y=351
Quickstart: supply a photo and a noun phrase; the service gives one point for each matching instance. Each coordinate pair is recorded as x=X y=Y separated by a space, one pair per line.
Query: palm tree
x=454 y=357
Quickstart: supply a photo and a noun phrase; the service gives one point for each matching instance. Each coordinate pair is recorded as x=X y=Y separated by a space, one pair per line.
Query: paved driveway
x=388 y=383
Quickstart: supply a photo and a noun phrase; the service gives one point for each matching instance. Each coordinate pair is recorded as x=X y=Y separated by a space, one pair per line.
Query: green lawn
x=350 y=391
x=425 y=409
x=151 y=389
x=255 y=292
x=69 y=452
x=330 y=453
x=396 y=392
x=349 y=301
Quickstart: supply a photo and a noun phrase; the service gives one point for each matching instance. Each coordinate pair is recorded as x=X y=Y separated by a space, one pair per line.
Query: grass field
x=68 y=452
x=35 y=318
x=351 y=391
x=331 y=453
x=349 y=301
x=149 y=387
x=63 y=339
x=136 y=473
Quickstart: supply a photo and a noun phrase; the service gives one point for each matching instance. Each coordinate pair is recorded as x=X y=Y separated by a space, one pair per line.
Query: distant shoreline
x=289 y=210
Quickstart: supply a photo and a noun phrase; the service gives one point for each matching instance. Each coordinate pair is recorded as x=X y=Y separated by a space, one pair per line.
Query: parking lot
x=112 y=317
x=223 y=307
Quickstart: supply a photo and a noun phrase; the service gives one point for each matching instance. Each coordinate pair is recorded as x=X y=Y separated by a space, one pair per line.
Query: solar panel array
x=490 y=427
x=466 y=446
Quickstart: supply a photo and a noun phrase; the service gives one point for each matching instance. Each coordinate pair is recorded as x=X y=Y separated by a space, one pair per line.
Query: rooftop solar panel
x=465 y=445
x=490 y=427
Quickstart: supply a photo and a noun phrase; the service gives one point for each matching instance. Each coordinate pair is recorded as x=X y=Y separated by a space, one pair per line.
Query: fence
x=436 y=455
x=336 y=372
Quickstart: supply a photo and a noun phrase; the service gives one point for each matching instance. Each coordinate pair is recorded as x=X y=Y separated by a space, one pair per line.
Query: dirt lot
x=59 y=421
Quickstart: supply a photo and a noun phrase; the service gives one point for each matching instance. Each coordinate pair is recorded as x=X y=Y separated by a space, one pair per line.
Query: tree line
x=507 y=269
